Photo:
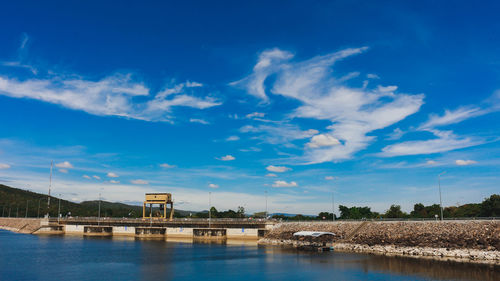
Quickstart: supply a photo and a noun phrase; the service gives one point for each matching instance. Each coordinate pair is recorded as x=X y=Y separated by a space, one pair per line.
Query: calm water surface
x=30 y=257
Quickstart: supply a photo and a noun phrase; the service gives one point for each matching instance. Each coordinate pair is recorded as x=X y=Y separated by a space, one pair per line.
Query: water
x=30 y=257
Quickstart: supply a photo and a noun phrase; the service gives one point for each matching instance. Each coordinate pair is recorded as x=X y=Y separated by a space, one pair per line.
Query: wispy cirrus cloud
x=452 y=117
x=280 y=133
x=115 y=95
x=443 y=141
x=353 y=112
x=201 y=121
x=139 y=182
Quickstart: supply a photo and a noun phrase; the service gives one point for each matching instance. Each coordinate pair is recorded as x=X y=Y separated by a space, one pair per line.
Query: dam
x=144 y=228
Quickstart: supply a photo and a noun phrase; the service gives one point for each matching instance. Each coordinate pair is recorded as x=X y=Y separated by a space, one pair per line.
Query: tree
x=241 y=212
x=344 y=212
x=491 y=206
x=394 y=212
x=213 y=212
x=325 y=216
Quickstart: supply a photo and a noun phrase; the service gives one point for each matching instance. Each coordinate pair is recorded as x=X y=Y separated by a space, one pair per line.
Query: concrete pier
x=150 y=232
x=101 y=231
x=210 y=233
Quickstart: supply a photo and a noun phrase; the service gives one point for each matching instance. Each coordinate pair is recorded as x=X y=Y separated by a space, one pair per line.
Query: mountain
x=18 y=202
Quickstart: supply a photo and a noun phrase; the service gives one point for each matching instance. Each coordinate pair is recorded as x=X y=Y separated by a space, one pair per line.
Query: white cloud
x=4 y=166
x=280 y=133
x=372 y=76
x=64 y=171
x=256 y=114
x=353 y=112
x=201 y=121
x=322 y=140
x=114 y=181
x=277 y=169
x=232 y=138
x=139 y=181
x=452 y=117
x=431 y=162
x=284 y=184
x=64 y=165
x=227 y=158
x=96 y=177
x=193 y=84
x=271 y=175
x=445 y=141
x=167 y=166
x=396 y=134
x=465 y=162
x=114 y=95
x=250 y=149
x=212 y=185
x=112 y=175
x=86 y=177
x=329 y=178
x=269 y=62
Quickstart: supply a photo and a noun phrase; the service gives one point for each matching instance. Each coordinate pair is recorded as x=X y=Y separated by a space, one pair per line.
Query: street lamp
x=440 y=201
x=266 y=204
x=209 y=209
x=99 y=213
x=59 y=210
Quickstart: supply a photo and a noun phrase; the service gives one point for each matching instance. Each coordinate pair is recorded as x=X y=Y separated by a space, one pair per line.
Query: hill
x=21 y=203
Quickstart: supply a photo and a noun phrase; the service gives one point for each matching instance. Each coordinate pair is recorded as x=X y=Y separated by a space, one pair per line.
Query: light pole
x=440 y=201
x=59 y=209
x=26 y=213
x=333 y=209
x=266 y=204
x=99 y=213
x=38 y=214
x=209 y=209
x=50 y=186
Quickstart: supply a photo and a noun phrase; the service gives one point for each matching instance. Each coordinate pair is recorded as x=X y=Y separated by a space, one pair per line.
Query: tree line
x=490 y=207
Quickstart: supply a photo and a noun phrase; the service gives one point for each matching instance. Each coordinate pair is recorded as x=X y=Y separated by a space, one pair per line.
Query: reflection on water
x=27 y=257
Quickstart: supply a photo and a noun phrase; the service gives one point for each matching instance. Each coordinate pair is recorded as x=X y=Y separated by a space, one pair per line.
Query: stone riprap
x=464 y=240
x=20 y=225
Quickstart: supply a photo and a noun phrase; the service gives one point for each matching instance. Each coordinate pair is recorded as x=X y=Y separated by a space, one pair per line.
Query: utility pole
x=209 y=209
x=59 y=210
x=26 y=213
x=99 y=213
x=50 y=186
x=266 y=204
x=38 y=213
x=440 y=201
x=333 y=209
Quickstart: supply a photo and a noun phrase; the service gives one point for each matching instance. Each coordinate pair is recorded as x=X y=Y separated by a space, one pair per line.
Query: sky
x=285 y=102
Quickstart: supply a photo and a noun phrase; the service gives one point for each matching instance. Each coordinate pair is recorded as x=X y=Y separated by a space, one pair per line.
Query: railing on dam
x=222 y=222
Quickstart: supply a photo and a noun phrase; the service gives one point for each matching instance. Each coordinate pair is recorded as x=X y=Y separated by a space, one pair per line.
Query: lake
x=31 y=257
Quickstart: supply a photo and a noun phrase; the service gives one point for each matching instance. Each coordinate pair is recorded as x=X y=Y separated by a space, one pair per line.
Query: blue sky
x=370 y=101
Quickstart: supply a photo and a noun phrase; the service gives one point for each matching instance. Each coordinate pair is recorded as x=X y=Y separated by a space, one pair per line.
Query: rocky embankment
x=462 y=240
x=20 y=225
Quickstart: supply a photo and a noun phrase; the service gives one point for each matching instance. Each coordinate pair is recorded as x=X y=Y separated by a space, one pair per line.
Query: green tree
x=491 y=206
x=394 y=212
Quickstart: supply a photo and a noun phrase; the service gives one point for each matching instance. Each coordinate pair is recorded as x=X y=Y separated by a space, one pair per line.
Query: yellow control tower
x=162 y=199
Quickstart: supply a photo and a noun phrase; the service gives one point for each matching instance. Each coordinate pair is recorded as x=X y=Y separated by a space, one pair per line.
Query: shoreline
x=440 y=254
